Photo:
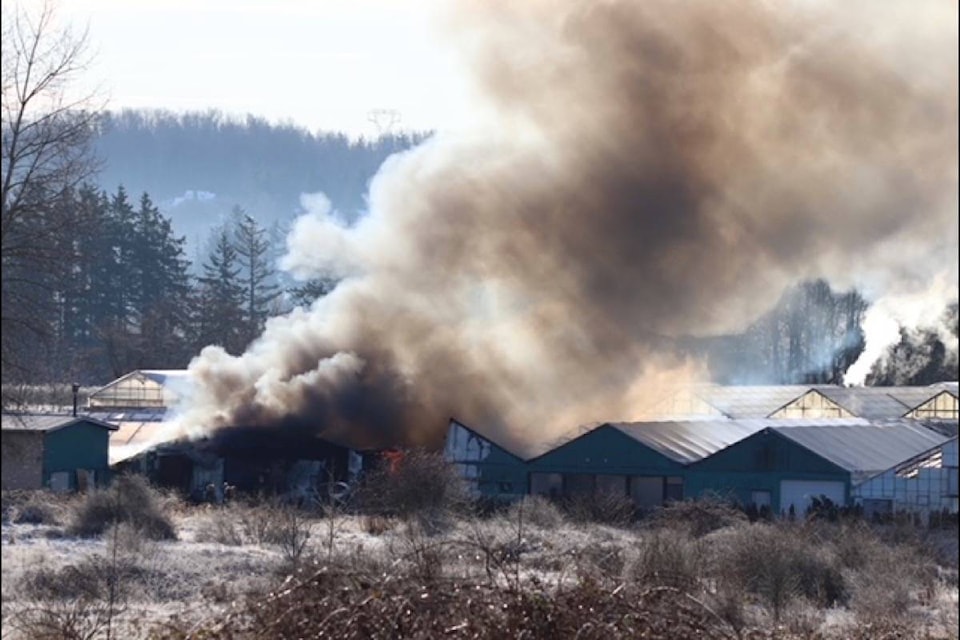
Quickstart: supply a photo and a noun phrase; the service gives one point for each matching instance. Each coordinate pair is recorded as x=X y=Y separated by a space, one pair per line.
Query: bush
x=423 y=486
x=221 y=528
x=350 y=607
x=778 y=564
x=602 y=508
x=129 y=500
x=667 y=559
x=35 y=507
x=536 y=511
x=699 y=516
x=90 y=579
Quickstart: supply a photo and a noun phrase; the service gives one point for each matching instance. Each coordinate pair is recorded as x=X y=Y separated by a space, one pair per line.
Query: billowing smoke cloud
x=647 y=170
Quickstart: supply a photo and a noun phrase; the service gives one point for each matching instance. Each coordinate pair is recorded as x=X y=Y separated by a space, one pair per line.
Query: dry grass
x=530 y=570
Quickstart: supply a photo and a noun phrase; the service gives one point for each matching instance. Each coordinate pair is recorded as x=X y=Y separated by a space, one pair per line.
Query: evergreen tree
x=257 y=274
x=164 y=284
x=219 y=318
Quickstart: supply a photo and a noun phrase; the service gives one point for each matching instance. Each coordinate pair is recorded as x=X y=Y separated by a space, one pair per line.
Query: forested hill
x=198 y=166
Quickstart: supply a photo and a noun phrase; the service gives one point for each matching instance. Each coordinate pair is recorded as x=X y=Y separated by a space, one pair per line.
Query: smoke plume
x=643 y=171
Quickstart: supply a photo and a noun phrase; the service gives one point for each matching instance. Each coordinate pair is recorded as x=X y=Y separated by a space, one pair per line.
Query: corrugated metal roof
x=41 y=422
x=863 y=449
x=689 y=441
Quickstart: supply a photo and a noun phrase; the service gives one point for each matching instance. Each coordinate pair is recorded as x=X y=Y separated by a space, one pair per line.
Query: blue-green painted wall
x=605 y=450
x=82 y=445
x=759 y=463
x=502 y=474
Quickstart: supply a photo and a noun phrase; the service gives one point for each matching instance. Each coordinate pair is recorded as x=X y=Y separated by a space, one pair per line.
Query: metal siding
x=79 y=446
x=864 y=450
x=767 y=452
x=800 y=494
x=605 y=450
x=489 y=469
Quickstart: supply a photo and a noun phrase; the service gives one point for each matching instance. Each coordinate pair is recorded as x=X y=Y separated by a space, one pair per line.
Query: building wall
x=605 y=450
x=944 y=406
x=759 y=464
x=82 y=446
x=488 y=469
x=606 y=460
x=21 y=466
x=925 y=485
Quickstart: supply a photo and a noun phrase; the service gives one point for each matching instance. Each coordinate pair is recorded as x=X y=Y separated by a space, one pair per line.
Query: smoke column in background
x=647 y=170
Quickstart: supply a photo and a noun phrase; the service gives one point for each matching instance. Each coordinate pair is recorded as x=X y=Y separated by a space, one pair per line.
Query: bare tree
x=46 y=156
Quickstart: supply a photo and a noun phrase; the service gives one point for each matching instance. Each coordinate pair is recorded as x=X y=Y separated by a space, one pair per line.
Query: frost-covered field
x=797 y=580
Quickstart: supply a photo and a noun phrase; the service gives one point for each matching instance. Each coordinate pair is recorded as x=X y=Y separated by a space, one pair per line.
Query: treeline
x=116 y=293
x=814 y=334
x=251 y=161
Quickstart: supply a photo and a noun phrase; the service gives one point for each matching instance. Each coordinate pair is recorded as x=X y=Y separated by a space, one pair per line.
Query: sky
x=324 y=65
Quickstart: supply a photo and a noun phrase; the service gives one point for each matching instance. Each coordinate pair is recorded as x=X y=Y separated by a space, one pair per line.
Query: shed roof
x=863 y=449
x=46 y=423
x=689 y=441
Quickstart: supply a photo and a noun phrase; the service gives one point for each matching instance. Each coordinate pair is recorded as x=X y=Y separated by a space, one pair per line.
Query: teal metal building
x=62 y=453
x=790 y=462
x=647 y=461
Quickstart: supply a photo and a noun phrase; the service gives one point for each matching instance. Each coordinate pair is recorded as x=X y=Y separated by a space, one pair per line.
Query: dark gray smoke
x=647 y=170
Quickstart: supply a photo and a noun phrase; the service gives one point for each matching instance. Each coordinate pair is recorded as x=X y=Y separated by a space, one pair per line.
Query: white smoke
x=920 y=309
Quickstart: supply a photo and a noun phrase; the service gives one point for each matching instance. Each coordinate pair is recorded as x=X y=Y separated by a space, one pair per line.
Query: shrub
x=885 y=587
x=778 y=564
x=40 y=508
x=536 y=511
x=90 y=579
x=423 y=486
x=129 y=500
x=699 y=516
x=291 y=532
x=34 y=507
x=377 y=525
x=667 y=559
x=220 y=527
x=601 y=508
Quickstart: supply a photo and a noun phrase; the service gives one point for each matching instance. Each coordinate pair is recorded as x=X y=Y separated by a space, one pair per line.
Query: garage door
x=800 y=494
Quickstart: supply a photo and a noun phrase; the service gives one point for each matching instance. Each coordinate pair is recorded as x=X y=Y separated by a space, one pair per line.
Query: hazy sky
x=321 y=64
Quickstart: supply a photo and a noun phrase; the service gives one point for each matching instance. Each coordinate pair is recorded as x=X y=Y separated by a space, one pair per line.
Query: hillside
x=198 y=166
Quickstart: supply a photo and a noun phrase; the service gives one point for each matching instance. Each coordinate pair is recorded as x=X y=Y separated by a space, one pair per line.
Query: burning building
x=645 y=173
